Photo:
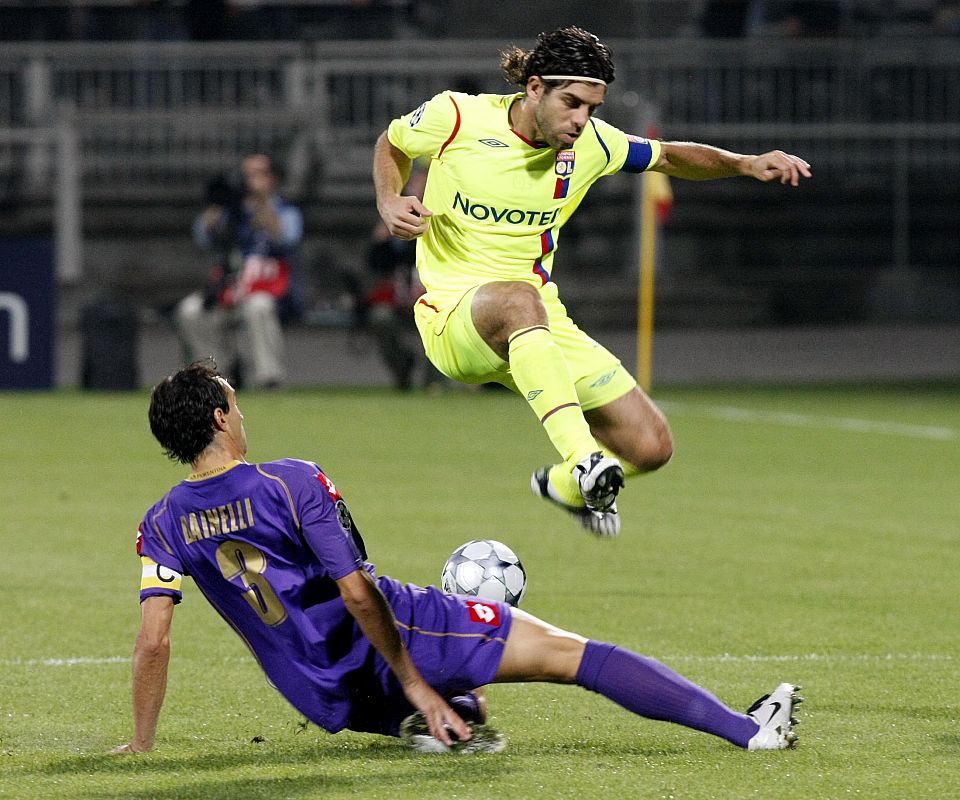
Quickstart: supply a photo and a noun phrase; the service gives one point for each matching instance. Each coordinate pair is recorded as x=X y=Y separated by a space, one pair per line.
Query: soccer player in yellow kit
x=506 y=171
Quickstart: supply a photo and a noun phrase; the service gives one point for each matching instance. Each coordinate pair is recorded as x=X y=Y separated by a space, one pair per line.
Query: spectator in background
x=395 y=286
x=390 y=268
x=255 y=236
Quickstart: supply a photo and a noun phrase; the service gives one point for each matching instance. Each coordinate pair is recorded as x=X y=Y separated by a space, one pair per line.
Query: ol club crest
x=564 y=166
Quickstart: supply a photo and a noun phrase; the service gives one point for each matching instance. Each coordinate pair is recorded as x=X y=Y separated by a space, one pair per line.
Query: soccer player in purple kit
x=274 y=548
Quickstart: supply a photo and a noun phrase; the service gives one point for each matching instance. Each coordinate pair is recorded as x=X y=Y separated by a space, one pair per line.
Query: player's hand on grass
x=405 y=216
x=441 y=719
x=777 y=165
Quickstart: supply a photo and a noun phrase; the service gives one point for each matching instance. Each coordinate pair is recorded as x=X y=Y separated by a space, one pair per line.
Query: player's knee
x=501 y=308
x=660 y=448
x=652 y=449
x=562 y=660
x=514 y=303
x=538 y=651
x=656 y=441
x=525 y=306
x=560 y=654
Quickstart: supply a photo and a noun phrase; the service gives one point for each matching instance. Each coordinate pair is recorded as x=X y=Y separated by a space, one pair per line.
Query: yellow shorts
x=454 y=347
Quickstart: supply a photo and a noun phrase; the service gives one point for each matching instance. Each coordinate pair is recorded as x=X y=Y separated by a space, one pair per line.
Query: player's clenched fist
x=405 y=217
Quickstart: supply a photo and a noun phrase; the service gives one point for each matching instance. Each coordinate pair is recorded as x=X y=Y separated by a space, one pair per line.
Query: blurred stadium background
x=115 y=115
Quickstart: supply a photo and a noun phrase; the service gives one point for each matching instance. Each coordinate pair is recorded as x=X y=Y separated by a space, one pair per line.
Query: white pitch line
x=939 y=433
x=811 y=657
x=83 y=661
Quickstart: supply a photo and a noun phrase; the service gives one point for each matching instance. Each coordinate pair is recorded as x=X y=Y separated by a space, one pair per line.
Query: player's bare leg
x=538 y=651
x=511 y=318
x=502 y=307
x=635 y=430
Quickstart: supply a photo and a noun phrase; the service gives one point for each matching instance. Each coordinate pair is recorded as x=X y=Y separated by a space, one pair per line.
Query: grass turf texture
x=782 y=543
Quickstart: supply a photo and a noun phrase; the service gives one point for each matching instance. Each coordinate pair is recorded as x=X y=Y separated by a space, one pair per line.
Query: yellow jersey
x=498 y=200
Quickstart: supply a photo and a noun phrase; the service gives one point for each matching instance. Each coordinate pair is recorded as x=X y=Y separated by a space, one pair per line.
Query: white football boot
x=600 y=478
x=605 y=524
x=774 y=714
x=416 y=733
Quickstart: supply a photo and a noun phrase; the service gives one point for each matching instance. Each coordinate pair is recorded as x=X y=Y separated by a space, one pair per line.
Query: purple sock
x=467 y=705
x=646 y=687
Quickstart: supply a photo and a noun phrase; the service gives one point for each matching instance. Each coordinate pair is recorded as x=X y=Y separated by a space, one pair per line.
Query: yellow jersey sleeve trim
x=655 y=150
x=424 y=130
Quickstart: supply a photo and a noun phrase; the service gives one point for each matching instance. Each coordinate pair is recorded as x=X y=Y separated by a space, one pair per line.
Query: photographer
x=254 y=236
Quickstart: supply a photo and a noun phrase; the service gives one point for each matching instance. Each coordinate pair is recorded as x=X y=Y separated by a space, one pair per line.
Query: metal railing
x=155 y=121
x=861 y=80
x=150 y=116
x=51 y=156
x=697 y=80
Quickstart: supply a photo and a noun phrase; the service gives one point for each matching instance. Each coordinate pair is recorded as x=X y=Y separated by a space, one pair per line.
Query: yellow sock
x=541 y=373
x=565 y=485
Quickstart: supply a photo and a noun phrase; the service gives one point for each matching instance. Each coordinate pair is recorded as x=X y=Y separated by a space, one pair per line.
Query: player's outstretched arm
x=370 y=609
x=404 y=215
x=151 y=657
x=701 y=162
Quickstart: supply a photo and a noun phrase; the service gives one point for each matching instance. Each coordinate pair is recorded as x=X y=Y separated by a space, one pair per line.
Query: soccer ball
x=487 y=569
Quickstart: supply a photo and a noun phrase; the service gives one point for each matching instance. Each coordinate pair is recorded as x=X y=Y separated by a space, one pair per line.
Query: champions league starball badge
x=343 y=516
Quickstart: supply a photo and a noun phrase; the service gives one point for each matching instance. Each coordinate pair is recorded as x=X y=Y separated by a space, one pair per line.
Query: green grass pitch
x=806 y=534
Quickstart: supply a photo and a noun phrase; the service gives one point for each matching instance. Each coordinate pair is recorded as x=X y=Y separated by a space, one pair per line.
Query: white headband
x=573 y=78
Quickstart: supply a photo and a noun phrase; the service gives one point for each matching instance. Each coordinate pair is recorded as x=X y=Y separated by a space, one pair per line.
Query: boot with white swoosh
x=774 y=714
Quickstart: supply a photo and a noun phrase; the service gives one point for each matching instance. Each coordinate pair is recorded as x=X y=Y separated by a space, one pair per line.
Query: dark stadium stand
x=144 y=124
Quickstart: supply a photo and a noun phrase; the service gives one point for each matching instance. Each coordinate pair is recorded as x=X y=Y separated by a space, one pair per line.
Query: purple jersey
x=265 y=543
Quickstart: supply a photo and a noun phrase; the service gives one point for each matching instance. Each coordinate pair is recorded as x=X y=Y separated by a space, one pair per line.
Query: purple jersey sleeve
x=161 y=571
x=325 y=523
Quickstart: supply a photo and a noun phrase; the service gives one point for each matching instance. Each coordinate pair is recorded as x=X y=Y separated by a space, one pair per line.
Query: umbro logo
x=493 y=143
x=603 y=380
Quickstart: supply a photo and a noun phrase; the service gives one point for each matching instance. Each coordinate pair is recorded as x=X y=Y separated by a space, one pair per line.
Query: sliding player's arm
x=328 y=529
x=151 y=657
x=370 y=609
x=701 y=162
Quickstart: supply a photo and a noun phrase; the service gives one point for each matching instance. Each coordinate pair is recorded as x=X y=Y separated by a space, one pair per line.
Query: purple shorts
x=456 y=642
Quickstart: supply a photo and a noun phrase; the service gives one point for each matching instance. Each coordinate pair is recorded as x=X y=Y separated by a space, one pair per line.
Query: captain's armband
x=156 y=579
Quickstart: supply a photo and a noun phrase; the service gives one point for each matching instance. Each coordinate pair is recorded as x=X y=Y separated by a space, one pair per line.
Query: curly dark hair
x=566 y=51
x=181 y=410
